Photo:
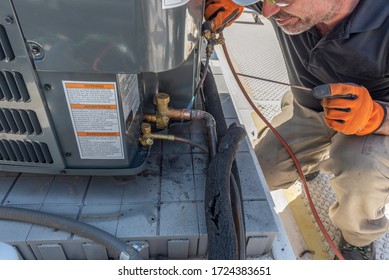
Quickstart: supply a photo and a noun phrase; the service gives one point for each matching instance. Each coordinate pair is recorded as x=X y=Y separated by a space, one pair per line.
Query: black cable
x=214 y=107
x=223 y=238
x=202 y=78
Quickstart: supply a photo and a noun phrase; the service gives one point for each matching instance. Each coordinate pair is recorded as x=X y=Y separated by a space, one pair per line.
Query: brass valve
x=161 y=101
x=145 y=139
x=212 y=38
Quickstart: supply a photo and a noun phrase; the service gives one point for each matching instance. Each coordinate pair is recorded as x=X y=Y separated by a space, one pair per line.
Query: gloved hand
x=221 y=13
x=349 y=108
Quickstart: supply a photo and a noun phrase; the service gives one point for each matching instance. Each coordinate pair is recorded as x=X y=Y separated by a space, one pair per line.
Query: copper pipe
x=179 y=114
x=210 y=124
x=171 y=137
x=149 y=118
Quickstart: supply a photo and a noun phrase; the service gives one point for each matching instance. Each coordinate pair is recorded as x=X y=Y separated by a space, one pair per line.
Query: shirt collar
x=368 y=15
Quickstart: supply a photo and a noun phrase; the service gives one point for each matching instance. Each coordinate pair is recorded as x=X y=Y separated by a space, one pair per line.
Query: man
x=339 y=48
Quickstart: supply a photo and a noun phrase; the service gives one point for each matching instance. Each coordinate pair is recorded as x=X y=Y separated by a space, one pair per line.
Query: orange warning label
x=80 y=85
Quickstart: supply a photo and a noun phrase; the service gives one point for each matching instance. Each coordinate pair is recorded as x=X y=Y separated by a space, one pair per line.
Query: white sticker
x=169 y=4
x=93 y=107
x=129 y=92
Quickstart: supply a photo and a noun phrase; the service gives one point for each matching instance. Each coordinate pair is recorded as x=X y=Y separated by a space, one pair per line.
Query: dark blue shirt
x=355 y=51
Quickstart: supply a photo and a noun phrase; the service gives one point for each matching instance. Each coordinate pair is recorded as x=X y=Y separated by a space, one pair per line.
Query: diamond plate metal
x=260 y=44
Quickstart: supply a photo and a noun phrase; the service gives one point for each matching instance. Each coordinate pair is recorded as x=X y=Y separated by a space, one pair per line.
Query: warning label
x=129 y=92
x=95 y=117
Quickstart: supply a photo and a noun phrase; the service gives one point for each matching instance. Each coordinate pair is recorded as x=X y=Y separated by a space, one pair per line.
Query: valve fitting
x=161 y=101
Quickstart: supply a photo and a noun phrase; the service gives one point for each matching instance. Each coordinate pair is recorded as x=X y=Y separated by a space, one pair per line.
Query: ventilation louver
x=6 y=52
x=19 y=121
x=13 y=87
x=25 y=151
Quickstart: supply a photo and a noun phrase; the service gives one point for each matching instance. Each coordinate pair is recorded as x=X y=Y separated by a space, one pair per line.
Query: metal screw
x=35 y=51
x=151 y=219
x=9 y=19
x=68 y=154
x=47 y=87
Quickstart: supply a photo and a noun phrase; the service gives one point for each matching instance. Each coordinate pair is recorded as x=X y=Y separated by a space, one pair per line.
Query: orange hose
x=291 y=153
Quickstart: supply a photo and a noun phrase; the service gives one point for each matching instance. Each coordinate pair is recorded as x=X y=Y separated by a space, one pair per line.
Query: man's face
x=301 y=15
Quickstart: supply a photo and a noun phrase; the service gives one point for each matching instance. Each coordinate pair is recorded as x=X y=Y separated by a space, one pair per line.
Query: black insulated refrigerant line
x=116 y=248
x=223 y=196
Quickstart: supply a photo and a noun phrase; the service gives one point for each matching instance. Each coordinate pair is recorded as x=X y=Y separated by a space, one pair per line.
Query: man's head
x=296 y=16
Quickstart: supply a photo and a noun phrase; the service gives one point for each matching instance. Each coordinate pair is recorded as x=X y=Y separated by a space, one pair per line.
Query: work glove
x=349 y=108
x=221 y=13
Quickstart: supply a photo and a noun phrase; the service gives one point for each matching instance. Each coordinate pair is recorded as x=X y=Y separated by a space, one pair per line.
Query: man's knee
x=276 y=164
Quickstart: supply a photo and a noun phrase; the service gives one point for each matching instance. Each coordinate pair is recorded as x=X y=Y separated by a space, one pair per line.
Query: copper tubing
x=170 y=137
x=149 y=118
x=210 y=124
x=179 y=114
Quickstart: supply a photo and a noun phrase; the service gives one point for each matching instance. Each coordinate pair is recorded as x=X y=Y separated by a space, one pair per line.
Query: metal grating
x=6 y=52
x=17 y=121
x=13 y=87
x=25 y=151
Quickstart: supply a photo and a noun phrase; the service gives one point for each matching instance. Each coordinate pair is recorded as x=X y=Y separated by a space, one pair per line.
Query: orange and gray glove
x=221 y=13
x=349 y=108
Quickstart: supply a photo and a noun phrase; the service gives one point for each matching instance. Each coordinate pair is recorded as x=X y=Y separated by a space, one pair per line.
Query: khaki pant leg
x=361 y=184
x=305 y=132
